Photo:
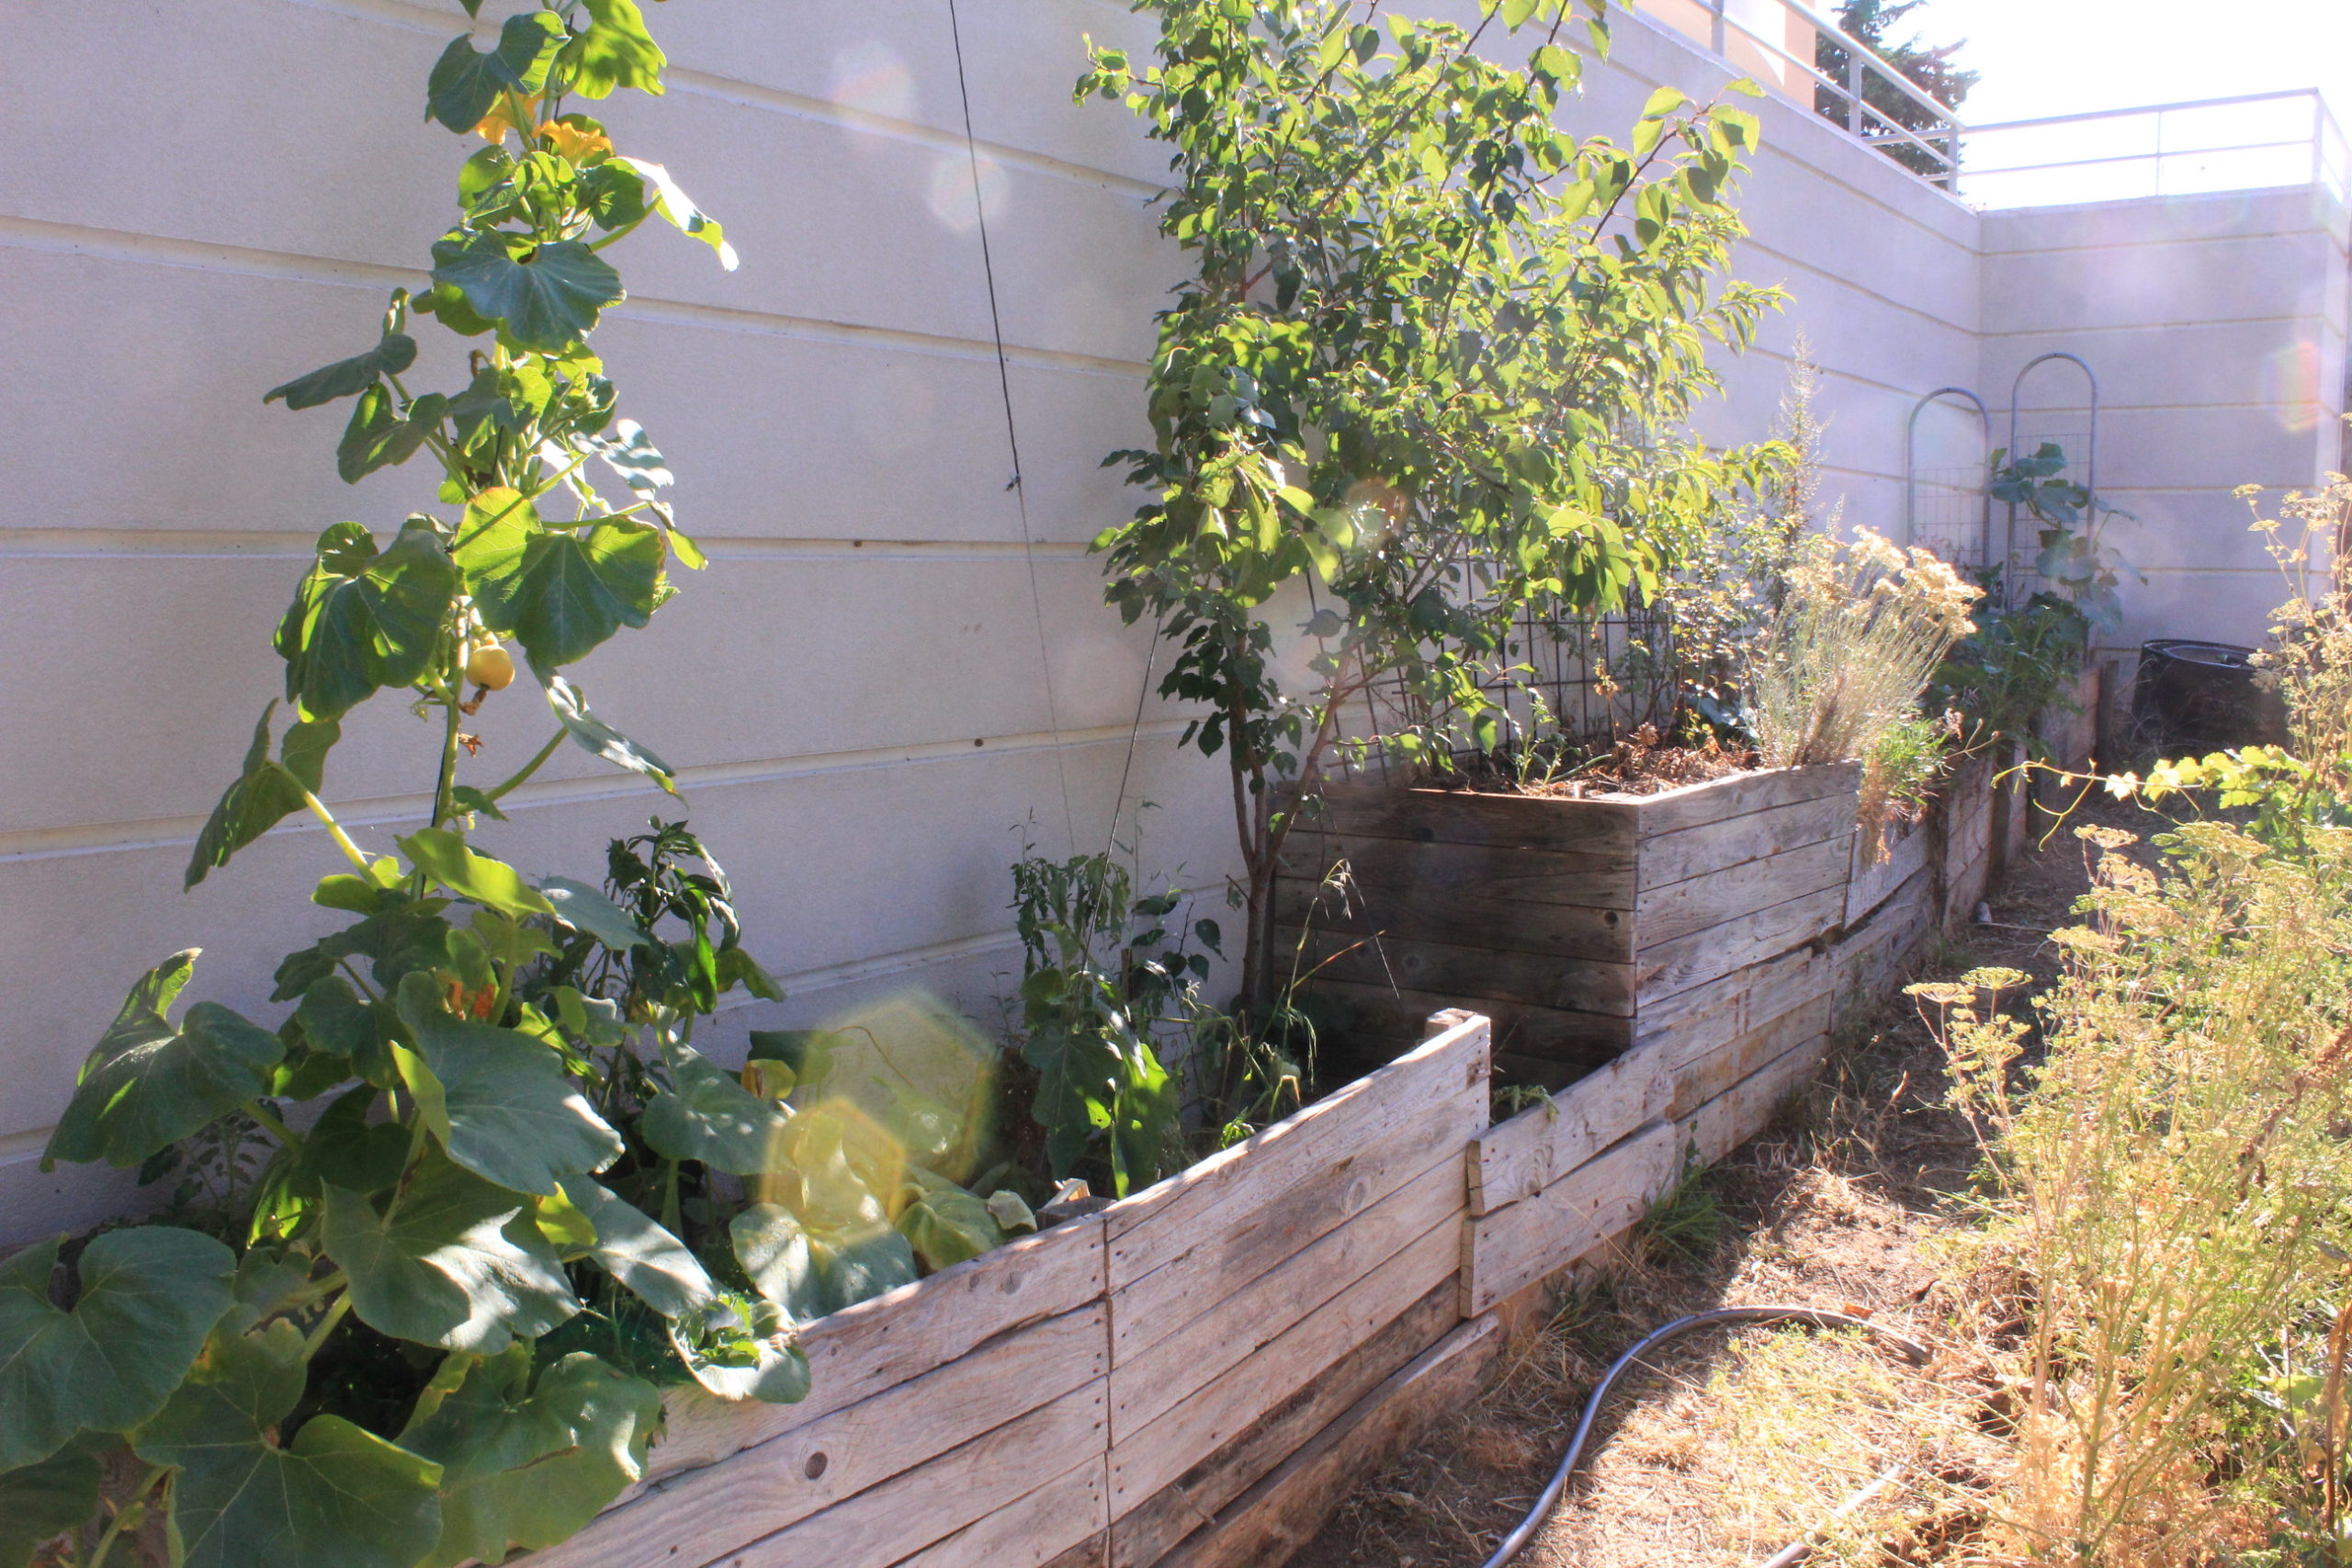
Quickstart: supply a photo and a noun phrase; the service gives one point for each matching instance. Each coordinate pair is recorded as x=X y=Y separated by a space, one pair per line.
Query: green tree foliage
x=1427 y=370
x=1929 y=67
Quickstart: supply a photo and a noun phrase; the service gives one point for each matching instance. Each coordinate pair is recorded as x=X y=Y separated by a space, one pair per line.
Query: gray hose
x=1516 y=1542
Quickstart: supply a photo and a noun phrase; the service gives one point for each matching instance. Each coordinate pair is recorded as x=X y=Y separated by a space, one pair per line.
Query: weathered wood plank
x=1868 y=960
x=1697 y=903
x=1585 y=878
x=1146 y=1533
x=1673 y=967
x=1906 y=851
x=1479 y=914
x=844 y=1452
x=1722 y=1010
x=1281 y=1513
x=1741 y=794
x=1473 y=973
x=1527 y=1154
x=884 y=1525
x=1700 y=852
x=1700 y=1077
x=1178 y=1342
x=877 y=1345
x=1227 y=1191
x=1035 y=1531
x=1460 y=816
x=1510 y=1248
x=1748 y=1107
x=1153 y=1457
x=1579 y=1040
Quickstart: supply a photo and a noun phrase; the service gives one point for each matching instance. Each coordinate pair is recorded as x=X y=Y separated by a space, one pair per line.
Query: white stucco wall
x=2216 y=326
x=855 y=691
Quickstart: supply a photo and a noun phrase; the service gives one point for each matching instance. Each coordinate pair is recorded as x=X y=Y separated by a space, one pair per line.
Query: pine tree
x=1929 y=67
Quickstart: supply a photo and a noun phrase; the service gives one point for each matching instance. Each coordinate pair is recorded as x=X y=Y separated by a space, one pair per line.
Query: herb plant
x=1427 y=371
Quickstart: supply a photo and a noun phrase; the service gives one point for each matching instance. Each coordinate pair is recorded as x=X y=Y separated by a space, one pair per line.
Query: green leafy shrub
x=2072 y=522
x=1428 y=371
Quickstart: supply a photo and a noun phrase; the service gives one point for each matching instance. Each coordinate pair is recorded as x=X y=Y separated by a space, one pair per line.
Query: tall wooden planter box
x=1583 y=928
x=1178 y=1379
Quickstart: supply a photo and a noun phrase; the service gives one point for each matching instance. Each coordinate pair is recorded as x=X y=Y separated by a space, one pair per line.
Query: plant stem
x=335 y=831
x=124 y=1515
x=327 y=1324
x=270 y=1122
x=532 y=766
x=443 y=794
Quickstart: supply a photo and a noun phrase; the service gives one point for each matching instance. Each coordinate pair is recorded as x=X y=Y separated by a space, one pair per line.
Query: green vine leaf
x=586 y=910
x=740 y=1346
x=814 y=1270
x=42 y=1501
x=446 y=861
x=525 y=1467
x=615 y=51
x=149 y=1297
x=707 y=1115
x=466 y=83
x=675 y=205
x=947 y=1225
x=149 y=1084
x=643 y=1257
x=337 y=1497
x=365 y=619
x=499 y=1101
x=450 y=1260
x=265 y=791
x=393 y=355
x=601 y=740
x=547 y=296
x=380 y=436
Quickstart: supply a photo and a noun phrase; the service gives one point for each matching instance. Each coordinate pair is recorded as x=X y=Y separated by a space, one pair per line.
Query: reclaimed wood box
x=1187 y=1376
x=1582 y=927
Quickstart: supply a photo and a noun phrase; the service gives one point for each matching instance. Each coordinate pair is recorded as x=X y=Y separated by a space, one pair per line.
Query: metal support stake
x=1853 y=89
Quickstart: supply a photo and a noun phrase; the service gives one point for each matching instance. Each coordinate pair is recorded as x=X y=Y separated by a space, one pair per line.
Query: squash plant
x=483 y=1123
x=1429 y=369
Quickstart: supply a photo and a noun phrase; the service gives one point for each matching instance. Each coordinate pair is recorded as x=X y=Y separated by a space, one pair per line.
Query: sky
x=2045 y=57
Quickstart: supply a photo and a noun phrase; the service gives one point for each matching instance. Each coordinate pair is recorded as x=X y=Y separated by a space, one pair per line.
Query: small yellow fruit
x=490 y=667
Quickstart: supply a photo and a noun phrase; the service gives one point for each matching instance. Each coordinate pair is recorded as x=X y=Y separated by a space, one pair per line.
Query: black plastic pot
x=2203 y=693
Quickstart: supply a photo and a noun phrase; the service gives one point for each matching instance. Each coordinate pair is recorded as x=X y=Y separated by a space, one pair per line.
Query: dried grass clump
x=1858 y=636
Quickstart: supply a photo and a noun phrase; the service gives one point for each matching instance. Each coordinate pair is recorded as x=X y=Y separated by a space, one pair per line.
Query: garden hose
x=1516 y=1542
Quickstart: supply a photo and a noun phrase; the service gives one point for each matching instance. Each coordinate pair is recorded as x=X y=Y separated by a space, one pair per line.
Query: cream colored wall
x=2216 y=326
x=855 y=689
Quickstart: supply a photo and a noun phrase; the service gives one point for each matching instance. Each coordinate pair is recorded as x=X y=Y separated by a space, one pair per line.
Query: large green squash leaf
x=947 y=1225
x=148 y=1083
x=337 y=1497
x=708 y=1115
x=443 y=856
x=395 y=353
x=740 y=1346
x=149 y=1296
x=500 y=1101
x=812 y=1271
x=638 y=1253
x=459 y=1262
x=546 y=297
x=615 y=51
x=265 y=792
x=524 y=1466
x=465 y=81
x=364 y=619
x=45 y=1500
x=562 y=595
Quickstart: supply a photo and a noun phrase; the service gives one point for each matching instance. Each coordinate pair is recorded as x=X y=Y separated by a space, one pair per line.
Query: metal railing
x=1784 y=43
x=2251 y=142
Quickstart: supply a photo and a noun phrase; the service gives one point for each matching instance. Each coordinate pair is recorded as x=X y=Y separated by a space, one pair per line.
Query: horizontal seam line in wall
x=2022 y=252
x=202 y=256
x=2146 y=326
x=711 y=83
x=192 y=544
x=18 y=1148
x=54 y=843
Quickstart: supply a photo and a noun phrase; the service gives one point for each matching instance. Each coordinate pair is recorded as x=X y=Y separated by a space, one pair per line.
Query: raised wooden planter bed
x=1162 y=1382
x=1584 y=928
